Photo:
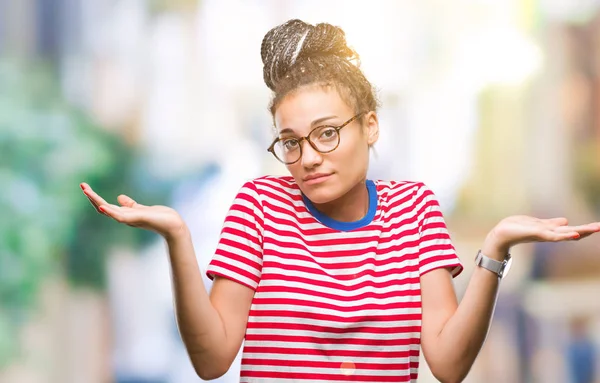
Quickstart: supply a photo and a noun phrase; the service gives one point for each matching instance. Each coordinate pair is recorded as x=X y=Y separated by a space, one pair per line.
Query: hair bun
x=283 y=45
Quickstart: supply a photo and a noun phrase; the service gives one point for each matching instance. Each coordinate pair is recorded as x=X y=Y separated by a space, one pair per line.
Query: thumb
x=126 y=201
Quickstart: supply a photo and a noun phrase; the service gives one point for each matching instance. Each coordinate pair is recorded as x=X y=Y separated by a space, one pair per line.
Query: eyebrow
x=315 y=122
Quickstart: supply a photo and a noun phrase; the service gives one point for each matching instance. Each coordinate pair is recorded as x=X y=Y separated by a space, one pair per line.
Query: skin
x=212 y=326
x=343 y=196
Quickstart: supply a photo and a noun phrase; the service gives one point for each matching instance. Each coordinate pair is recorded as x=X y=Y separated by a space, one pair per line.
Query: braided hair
x=295 y=54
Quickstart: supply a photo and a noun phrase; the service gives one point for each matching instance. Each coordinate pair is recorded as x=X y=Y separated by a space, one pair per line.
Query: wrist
x=495 y=248
x=181 y=232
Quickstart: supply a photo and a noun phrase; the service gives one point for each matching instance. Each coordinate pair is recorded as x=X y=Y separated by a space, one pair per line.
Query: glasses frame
x=306 y=138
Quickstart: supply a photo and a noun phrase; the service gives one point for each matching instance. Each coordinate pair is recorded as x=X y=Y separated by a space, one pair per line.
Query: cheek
x=295 y=170
x=352 y=159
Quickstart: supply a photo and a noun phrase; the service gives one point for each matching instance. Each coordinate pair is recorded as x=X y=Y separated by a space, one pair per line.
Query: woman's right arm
x=211 y=327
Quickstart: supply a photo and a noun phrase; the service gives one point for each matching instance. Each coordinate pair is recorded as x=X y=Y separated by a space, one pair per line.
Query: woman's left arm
x=452 y=334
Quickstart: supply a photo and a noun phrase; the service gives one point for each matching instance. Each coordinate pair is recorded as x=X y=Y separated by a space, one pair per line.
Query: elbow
x=209 y=370
x=450 y=374
x=450 y=370
x=210 y=376
x=209 y=373
x=442 y=379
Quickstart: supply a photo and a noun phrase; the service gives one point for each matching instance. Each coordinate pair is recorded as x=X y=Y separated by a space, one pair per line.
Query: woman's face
x=325 y=177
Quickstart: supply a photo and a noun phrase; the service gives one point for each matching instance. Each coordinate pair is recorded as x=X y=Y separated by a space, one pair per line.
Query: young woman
x=327 y=275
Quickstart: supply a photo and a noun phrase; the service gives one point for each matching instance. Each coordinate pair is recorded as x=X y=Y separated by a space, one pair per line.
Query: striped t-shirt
x=334 y=301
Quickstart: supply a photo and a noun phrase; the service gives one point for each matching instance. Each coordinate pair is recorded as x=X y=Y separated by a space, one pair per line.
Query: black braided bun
x=295 y=54
x=295 y=41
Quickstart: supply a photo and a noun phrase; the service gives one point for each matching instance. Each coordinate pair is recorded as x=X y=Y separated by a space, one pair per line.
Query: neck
x=350 y=207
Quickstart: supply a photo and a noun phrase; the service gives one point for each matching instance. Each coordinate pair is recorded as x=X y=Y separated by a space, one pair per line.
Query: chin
x=319 y=195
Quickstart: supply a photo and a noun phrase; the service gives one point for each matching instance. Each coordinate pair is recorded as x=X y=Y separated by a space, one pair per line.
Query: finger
x=123 y=214
x=590 y=227
x=94 y=197
x=118 y=213
x=581 y=229
x=127 y=201
x=585 y=235
x=85 y=186
x=94 y=205
x=554 y=236
x=557 y=221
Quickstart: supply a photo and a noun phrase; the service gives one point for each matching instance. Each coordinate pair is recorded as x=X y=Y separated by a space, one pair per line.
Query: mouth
x=316 y=178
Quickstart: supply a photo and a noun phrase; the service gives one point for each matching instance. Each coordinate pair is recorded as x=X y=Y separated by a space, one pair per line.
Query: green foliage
x=47 y=148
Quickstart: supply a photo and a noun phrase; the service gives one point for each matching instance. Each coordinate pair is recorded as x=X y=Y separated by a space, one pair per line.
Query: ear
x=371 y=128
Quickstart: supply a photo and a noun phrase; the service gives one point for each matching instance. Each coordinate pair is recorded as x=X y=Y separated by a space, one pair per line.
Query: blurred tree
x=46 y=224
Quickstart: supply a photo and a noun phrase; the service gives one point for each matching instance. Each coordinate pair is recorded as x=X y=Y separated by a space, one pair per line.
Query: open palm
x=160 y=219
x=522 y=229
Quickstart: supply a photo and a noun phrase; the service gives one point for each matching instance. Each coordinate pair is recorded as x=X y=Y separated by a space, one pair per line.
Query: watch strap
x=496 y=267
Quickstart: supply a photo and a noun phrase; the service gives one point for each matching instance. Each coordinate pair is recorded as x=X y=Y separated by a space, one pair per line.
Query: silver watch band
x=492 y=265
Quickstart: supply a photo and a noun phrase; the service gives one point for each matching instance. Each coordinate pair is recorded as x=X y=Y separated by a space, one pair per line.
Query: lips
x=316 y=178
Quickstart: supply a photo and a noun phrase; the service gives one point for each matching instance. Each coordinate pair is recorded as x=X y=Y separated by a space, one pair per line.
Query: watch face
x=506 y=267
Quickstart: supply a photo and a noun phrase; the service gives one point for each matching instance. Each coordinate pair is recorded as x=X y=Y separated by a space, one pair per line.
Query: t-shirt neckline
x=346 y=226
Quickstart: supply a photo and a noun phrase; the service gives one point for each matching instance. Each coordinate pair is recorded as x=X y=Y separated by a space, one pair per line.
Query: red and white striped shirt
x=334 y=301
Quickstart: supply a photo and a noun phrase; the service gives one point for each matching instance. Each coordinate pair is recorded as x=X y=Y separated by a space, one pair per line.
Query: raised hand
x=522 y=229
x=160 y=219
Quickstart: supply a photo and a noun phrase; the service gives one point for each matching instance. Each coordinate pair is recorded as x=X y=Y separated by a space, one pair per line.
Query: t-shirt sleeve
x=435 y=246
x=239 y=251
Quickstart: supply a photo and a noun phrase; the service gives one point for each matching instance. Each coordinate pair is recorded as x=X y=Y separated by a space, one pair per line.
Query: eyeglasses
x=323 y=139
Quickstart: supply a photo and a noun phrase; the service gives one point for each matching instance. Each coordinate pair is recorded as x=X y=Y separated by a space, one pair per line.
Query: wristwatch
x=496 y=267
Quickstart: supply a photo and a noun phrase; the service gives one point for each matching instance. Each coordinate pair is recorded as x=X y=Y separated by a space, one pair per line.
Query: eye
x=327 y=133
x=289 y=143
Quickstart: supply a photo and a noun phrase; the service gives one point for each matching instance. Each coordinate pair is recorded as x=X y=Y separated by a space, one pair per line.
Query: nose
x=310 y=157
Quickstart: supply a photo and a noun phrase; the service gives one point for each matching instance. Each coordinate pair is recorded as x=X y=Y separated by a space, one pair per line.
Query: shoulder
x=402 y=190
x=269 y=187
x=401 y=198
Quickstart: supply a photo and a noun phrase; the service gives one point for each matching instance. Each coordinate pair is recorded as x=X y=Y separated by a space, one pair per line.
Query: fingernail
x=102 y=210
x=81 y=186
x=576 y=236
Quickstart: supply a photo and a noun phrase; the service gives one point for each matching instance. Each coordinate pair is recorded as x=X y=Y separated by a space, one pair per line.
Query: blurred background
x=494 y=104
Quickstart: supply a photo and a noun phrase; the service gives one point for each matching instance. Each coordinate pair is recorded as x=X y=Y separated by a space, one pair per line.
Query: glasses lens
x=325 y=138
x=287 y=150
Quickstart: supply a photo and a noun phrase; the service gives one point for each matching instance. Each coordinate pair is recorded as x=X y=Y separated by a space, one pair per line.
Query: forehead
x=299 y=109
